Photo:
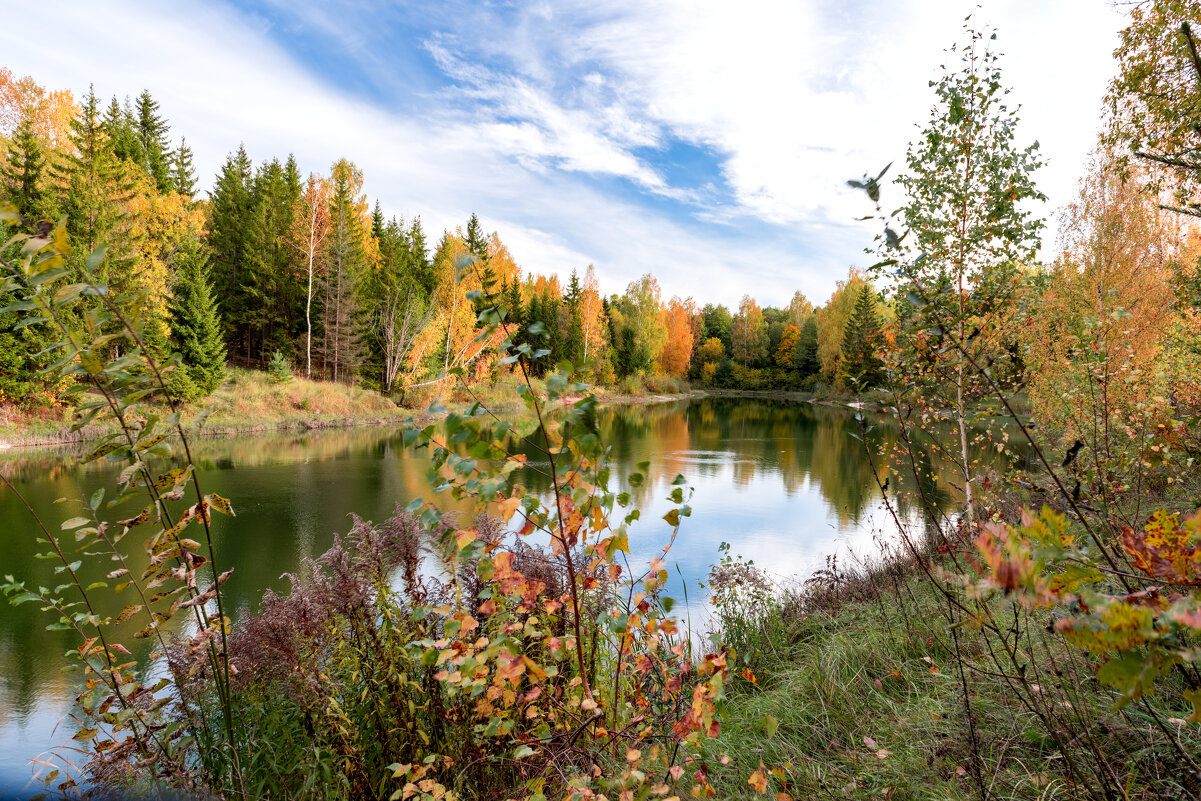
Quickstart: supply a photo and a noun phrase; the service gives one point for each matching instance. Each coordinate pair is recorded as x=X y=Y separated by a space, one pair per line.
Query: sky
x=704 y=141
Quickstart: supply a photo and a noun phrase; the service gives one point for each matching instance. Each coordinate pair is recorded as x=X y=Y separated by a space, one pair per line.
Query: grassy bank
x=248 y=402
x=860 y=695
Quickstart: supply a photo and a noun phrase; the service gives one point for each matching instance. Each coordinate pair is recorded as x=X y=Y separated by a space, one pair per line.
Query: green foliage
x=125 y=717
x=22 y=175
x=183 y=174
x=861 y=343
x=196 y=323
x=278 y=369
x=1152 y=100
x=526 y=668
x=807 y=363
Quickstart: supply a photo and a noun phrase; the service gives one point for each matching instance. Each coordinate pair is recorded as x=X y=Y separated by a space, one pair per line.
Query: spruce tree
x=477 y=244
x=807 y=362
x=377 y=221
x=195 y=321
x=551 y=306
x=122 y=138
x=22 y=173
x=513 y=308
x=151 y=130
x=342 y=318
x=97 y=187
x=183 y=175
x=574 y=342
x=861 y=341
x=234 y=233
x=419 y=257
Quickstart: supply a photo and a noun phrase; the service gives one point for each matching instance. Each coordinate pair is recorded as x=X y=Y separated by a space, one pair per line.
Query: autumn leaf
x=758 y=779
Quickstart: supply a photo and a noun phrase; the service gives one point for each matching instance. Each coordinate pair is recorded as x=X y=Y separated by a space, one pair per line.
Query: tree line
x=276 y=263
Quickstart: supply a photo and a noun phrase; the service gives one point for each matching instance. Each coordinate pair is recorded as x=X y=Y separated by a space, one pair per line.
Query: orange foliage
x=677 y=317
x=51 y=112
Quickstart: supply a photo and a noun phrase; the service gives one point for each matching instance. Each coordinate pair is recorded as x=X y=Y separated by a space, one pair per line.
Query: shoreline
x=63 y=437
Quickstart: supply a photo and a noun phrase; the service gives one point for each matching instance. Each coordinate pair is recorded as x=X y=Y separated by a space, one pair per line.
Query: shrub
x=279 y=371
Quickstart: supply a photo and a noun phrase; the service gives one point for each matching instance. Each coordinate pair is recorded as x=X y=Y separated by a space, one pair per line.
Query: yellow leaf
x=758 y=779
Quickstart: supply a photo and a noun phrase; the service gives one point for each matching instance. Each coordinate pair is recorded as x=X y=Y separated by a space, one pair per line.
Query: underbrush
x=859 y=694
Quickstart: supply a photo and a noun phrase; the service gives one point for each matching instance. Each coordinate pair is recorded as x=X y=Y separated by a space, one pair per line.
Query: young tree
x=349 y=225
x=750 y=333
x=968 y=186
x=310 y=227
x=786 y=354
x=1153 y=100
x=195 y=321
x=807 y=363
x=22 y=175
x=574 y=341
x=234 y=242
x=677 y=348
x=861 y=341
x=183 y=174
x=151 y=131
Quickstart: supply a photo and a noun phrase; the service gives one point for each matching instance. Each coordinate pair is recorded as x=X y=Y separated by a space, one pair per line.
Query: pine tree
x=97 y=189
x=513 y=308
x=861 y=341
x=151 y=130
x=807 y=362
x=273 y=310
x=574 y=341
x=342 y=325
x=419 y=257
x=183 y=175
x=377 y=221
x=477 y=244
x=551 y=306
x=122 y=138
x=233 y=240
x=22 y=174
x=195 y=320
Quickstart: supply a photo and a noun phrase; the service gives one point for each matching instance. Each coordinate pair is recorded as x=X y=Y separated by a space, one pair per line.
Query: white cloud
x=558 y=101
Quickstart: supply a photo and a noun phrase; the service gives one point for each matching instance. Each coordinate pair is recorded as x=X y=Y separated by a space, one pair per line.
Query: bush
x=279 y=371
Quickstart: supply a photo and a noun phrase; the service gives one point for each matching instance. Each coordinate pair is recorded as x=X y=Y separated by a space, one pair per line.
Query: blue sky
x=705 y=141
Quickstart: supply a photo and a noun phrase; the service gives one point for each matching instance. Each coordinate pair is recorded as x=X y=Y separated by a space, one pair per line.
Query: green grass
x=859 y=696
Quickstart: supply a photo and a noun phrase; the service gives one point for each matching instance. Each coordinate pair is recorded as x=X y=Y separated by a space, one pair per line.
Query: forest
x=1026 y=429
x=276 y=264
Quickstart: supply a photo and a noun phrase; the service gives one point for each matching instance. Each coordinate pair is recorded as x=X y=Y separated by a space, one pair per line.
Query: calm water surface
x=784 y=483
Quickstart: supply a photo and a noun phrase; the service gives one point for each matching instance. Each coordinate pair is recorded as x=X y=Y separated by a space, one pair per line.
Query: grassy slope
x=246 y=402
x=869 y=705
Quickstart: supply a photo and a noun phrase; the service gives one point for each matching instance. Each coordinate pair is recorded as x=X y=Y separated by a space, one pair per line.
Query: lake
x=785 y=483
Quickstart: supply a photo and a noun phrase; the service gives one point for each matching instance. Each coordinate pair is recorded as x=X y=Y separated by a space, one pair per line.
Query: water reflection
x=785 y=483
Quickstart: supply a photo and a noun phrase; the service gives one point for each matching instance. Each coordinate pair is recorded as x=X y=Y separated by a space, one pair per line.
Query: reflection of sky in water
x=784 y=484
